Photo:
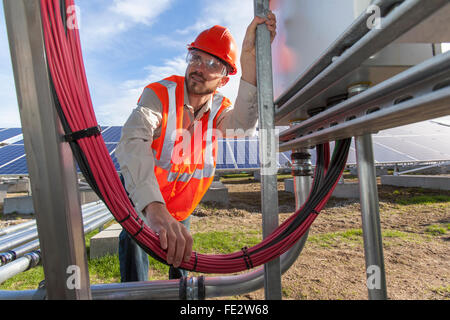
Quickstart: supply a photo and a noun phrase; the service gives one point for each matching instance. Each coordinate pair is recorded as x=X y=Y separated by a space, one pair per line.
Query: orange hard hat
x=218 y=42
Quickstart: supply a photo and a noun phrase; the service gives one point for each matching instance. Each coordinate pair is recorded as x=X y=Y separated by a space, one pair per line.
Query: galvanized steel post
x=268 y=147
x=370 y=212
x=50 y=161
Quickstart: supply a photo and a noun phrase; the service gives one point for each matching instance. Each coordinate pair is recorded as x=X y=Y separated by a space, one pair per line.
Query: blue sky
x=128 y=44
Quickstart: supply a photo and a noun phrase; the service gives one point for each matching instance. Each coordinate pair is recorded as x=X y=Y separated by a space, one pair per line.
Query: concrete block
x=21 y=185
x=418 y=181
x=346 y=191
x=106 y=242
x=379 y=171
x=218 y=193
x=20 y=205
x=342 y=190
x=3 y=192
x=87 y=195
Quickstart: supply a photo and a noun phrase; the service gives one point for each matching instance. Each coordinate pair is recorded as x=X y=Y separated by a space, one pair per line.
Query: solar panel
x=17 y=167
x=112 y=134
x=425 y=141
x=10 y=153
x=6 y=134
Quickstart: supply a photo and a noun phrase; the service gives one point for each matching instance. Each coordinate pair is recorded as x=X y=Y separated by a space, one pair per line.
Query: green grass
x=333 y=238
x=224 y=242
x=438 y=230
x=354 y=237
x=107 y=269
x=423 y=199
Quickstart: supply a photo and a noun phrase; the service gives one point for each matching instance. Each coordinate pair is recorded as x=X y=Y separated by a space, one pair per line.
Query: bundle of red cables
x=69 y=80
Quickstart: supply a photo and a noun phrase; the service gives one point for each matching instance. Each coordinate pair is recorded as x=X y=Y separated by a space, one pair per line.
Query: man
x=167 y=173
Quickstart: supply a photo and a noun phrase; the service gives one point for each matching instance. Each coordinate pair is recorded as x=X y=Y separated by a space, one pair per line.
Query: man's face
x=204 y=73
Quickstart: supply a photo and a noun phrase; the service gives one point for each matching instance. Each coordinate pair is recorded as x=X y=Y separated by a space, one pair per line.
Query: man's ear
x=224 y=81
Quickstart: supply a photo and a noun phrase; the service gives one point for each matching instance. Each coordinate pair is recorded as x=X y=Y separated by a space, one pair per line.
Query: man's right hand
x=173 y=236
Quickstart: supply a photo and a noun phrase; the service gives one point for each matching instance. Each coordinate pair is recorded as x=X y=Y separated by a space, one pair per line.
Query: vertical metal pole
x=50 y=160
x=268 y=146
x=373 y=245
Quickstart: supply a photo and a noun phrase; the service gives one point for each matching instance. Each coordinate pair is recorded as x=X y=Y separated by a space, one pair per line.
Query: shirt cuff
x=145 y=194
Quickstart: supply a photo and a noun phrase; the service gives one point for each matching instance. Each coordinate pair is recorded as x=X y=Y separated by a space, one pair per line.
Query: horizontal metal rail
x=422 y=168
x=417 y=94
x=397 y=22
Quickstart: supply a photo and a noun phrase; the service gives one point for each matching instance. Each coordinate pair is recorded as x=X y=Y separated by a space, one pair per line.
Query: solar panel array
x=425 y=141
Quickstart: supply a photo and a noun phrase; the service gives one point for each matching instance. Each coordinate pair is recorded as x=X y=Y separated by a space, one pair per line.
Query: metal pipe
x=31 y=225
x=373 y=246
x=89 y=225
x=17 y=227
x=268 y=147
x=32 y=234
x=32 y=259
x=87 y=210
x=170 y=289
x=22 y=264
x=422 y=79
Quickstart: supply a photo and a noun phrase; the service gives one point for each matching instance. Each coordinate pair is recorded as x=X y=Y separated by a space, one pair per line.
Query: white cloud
x=100 y=28
x=140 y=11
x=122 y=98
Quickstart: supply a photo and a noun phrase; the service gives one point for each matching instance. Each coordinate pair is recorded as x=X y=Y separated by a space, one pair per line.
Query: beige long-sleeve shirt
x=134 y=151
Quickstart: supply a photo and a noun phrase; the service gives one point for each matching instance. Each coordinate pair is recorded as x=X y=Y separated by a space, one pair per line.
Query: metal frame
x=396 y=23
x=61 y=235
x=418 y=94
x=51 y=164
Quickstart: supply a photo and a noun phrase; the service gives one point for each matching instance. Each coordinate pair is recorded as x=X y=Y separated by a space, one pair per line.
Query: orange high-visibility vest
x=184 y=163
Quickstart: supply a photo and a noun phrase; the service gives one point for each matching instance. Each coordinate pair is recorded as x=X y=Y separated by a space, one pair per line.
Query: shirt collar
x=203 y=110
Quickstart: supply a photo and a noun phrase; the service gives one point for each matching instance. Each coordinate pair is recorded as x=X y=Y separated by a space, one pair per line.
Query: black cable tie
x=128 y=217
x=246 y=256
x=314 y=211
x=140 y=230
x=85 y=133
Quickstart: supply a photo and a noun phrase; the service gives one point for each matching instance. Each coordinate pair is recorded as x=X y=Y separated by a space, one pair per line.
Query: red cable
x=66 y=67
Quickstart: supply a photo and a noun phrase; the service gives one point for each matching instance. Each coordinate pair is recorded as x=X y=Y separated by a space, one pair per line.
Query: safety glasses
x=210 y=63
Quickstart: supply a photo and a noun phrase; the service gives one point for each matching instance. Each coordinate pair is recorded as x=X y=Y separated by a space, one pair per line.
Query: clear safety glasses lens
x=211 y=64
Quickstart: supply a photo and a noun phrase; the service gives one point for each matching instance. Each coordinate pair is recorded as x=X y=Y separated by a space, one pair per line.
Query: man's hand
x=248 y=55
x=173 y=236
